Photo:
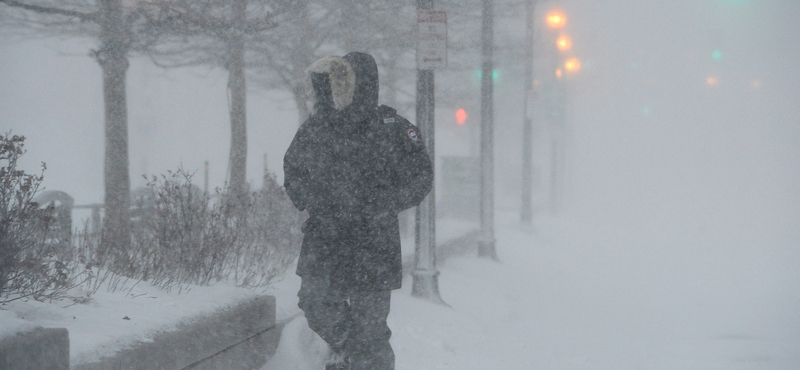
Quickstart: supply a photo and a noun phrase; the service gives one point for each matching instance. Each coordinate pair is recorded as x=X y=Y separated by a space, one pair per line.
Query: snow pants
x=352 y=323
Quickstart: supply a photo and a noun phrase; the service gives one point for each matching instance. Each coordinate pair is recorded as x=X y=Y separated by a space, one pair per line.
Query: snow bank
x=13 y=325
x=115 y=320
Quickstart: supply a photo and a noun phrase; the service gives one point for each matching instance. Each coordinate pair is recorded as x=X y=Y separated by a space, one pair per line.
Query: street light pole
x=425 y=276
x=556 y=20
x=486 y=242
x=526 y=211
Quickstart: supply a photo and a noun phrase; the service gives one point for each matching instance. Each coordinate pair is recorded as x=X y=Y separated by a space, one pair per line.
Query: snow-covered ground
x=572 y=294
x=115 y=320
x=576 y=294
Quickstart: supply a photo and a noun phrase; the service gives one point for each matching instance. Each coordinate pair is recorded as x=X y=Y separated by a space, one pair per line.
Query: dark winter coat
x=354 y=166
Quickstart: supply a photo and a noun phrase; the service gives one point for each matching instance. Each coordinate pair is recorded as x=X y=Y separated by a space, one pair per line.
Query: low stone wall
x=45 y=349
x=243 y=337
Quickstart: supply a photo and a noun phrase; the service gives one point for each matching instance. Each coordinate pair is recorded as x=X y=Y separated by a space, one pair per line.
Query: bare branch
x=84 y=17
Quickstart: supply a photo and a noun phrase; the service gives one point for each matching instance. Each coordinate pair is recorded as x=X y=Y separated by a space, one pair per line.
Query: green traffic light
x=717 y=54
x=495 y=75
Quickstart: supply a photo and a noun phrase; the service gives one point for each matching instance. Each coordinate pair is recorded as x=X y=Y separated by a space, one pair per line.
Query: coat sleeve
x=297 y=170
x=413 y=169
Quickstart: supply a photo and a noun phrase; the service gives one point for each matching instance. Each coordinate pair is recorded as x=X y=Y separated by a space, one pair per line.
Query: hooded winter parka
x=353 y=166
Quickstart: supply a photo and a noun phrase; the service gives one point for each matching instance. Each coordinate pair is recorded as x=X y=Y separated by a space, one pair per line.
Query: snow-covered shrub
x=32 y=265
x=179 y=235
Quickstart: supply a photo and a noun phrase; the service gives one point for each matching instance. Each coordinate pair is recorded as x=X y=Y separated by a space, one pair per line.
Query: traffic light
x=495 y=75
x=461 y=116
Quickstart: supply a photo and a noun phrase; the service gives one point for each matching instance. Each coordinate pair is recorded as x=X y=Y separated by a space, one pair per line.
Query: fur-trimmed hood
x=330 y=80
x=342 y=82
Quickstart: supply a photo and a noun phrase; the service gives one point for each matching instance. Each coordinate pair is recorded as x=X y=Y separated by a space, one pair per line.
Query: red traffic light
x=461 y=116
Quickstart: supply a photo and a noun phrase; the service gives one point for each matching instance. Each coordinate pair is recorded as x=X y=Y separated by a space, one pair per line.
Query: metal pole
x=526 y=211
x=486 y=244
x=554 y=175
x=557 y=128
x=425 y=276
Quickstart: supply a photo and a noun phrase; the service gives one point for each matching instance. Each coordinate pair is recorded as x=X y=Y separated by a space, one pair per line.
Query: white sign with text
x=432 y=39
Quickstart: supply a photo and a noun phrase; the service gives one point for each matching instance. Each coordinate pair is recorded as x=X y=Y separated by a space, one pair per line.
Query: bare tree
x=217 y=33
x=120 y=28
x=281 y=57
x=316 y=28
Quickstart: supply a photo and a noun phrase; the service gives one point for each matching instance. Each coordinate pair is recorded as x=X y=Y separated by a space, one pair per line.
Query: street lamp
x=564 y=43
x=486 y=242
x=572 y=65
x=556 y=19
x=526 y=206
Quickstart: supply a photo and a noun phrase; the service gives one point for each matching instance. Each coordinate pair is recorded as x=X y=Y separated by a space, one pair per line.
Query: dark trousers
x=352 y=323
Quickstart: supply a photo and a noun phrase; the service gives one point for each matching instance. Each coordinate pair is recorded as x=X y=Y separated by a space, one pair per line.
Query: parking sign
x=431 y=39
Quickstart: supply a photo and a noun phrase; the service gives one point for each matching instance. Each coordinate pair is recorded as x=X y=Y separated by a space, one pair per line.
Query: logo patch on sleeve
x=388 y=120
x=413 y=134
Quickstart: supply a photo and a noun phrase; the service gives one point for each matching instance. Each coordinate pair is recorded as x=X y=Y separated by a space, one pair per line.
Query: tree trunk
x=113 y=59
x=238 y=100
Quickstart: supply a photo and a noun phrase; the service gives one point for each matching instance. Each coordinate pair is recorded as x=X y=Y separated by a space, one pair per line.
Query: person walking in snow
x=353 y=165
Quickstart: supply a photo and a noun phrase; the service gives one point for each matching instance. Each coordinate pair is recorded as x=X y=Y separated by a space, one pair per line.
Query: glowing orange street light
x=556 y=19
x=564 y=43
x=559 y=73
x=461 y=116
x=572 y=65
x=711 y=81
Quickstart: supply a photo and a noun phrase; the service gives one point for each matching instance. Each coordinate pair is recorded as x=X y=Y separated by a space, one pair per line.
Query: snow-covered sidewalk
x=577 y=295
x=115 y=320
x=573 y=294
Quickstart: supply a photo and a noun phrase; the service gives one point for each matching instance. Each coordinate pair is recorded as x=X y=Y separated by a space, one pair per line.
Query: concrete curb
x=45 y=349
x=242 y=337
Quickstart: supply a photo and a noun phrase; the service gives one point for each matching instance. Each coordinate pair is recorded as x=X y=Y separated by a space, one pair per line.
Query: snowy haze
x=681 y=184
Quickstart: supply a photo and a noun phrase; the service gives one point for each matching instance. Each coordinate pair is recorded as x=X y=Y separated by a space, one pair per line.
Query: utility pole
x=526 y=211
x=486 y=242
x=425 y=275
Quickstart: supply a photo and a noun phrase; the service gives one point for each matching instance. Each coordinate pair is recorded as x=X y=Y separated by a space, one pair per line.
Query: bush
x=31 y=264
x=179 y=235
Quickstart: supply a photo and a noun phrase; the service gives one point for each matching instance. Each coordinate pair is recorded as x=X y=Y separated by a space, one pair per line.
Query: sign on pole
x=431 y=39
